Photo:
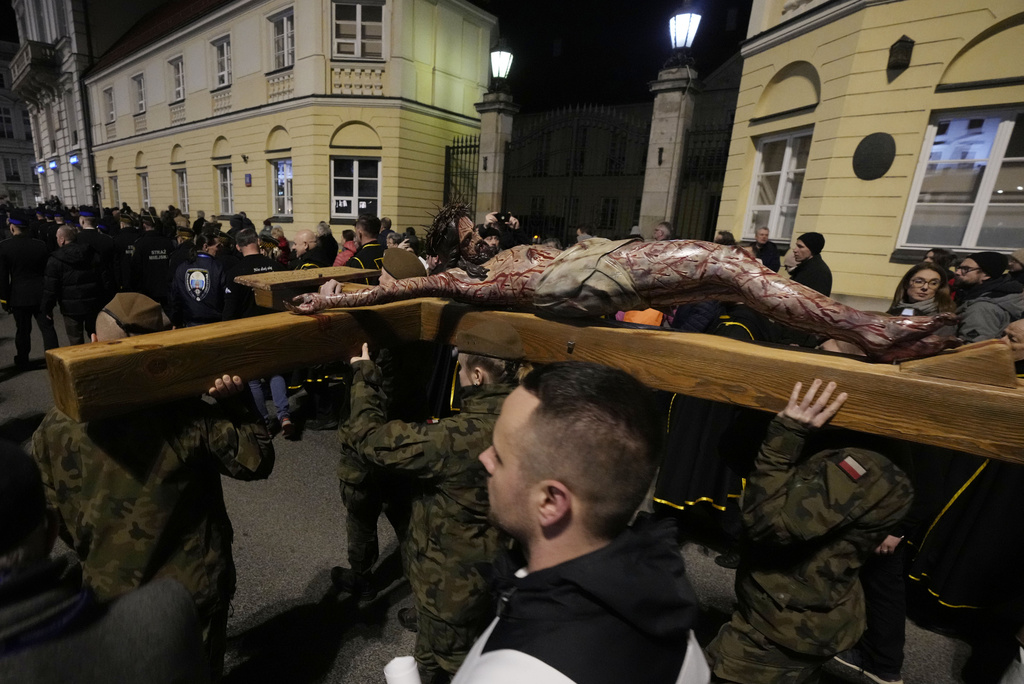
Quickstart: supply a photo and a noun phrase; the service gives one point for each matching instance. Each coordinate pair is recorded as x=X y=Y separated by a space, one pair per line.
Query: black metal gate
x=461 y=161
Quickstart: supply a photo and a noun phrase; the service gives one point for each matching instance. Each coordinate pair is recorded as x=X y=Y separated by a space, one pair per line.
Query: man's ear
x=555 y=501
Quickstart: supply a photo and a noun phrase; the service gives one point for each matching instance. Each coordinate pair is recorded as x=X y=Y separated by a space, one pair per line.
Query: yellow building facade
x=889 y=126
x=302 y=111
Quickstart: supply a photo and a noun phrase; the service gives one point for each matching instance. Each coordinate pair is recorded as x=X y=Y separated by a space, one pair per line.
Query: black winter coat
x=22 y=264
x=76 y=278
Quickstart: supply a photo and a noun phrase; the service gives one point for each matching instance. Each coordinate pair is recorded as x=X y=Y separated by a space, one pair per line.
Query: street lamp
x=501 y=63
x=682 y=29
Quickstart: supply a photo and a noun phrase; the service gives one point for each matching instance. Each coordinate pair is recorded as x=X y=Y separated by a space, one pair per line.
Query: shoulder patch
x=851 y=467
x=433 y=421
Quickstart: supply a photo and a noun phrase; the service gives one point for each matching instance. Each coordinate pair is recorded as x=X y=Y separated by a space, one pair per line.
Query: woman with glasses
x=923 y=291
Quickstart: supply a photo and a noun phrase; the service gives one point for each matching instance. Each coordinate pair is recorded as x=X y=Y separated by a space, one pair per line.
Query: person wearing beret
x=810 y=269
x=988 y=299
x=22 y=267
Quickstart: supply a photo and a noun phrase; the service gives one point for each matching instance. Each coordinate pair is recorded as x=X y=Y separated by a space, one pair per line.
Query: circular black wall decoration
x=874 y=156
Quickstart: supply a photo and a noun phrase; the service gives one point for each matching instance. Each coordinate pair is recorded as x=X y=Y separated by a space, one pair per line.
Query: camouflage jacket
x=449 y=535
x=810 y=524
x=140 y=495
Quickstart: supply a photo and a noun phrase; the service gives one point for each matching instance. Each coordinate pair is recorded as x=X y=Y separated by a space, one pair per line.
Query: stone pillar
x=674 y=93
x=496 y=112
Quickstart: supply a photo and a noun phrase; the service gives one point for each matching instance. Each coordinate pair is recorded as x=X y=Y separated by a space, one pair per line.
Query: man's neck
x=547 y=553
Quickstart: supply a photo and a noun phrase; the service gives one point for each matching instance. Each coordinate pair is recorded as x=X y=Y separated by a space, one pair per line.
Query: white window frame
x=222 y=62
x=177 y=79
x=225 y=192
x=144 y=189
x=115 y=194
x=282 y=39
x=181 y=181
x=282 y=205
x=986 y=187
x=784 y=190
x=108 y=101
x=139 y=91
x=355 y=196
x=358 y=51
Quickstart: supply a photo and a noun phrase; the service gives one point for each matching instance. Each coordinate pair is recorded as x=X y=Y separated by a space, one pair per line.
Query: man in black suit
x=22 y=264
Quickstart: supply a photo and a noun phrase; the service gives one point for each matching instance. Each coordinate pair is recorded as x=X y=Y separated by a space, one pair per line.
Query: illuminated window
x=355 y=186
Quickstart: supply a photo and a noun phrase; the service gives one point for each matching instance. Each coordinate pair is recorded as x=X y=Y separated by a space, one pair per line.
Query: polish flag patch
x=852 y=468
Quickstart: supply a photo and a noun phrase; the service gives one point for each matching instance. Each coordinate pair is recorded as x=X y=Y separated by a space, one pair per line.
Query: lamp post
x=674 y=99
x=496 y=112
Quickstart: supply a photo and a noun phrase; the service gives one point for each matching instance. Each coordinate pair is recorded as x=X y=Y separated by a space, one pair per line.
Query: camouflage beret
x=496 y=339
x=22 y=501
x=401 y=264
x=136 y=313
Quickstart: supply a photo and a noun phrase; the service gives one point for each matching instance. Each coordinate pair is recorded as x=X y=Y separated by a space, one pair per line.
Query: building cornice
x=362 y=102
x=806 y=22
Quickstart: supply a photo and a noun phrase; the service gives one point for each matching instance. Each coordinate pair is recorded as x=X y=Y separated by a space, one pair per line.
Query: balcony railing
x=177 y=113
x=357 y=81
x=34 y=70
x=221 y=102
x=280 y=86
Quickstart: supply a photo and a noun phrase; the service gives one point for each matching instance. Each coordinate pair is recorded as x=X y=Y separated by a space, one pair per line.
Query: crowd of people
x=515 y=492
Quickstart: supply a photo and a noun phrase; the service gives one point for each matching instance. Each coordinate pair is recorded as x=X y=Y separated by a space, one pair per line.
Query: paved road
x=288 y=626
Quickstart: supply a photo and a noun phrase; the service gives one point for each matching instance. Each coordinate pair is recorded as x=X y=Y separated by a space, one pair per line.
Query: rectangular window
x=6 y=123
x=108 y=104
x=616 y=162
x=969 y=188
x=26 y=124
x=11 y=170
x=355 y=186
x=3 y=80
x=358 y=30
x=115 y=196
x=281 y=186
x=775 y=193
x=227 y=202
x=144 y=188
x=222 y=62
x=284 y=40
x=139 y=89
x=181 y=177
x=177 y=79
x=609 y=212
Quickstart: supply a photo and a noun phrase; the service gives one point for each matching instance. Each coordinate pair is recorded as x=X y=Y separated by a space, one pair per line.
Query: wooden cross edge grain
x=109 y=378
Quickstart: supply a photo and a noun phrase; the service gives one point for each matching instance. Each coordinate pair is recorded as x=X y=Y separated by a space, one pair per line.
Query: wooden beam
x=92 y=381
x=271 y=290
x=986 y=363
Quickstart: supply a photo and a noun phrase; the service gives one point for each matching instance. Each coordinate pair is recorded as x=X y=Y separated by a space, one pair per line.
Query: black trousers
x=79 y=328
x=886 y=599
x=23 y=316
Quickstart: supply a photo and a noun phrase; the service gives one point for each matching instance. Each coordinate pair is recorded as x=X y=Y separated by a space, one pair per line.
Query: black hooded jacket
x=75 y=276
x=622 y=613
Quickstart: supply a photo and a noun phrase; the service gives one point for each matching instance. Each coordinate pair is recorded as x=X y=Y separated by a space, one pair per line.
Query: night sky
x=594 y=52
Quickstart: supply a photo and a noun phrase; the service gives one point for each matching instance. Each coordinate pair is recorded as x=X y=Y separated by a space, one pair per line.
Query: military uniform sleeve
x=409 y=448
x=231 y=435
x=44 y=460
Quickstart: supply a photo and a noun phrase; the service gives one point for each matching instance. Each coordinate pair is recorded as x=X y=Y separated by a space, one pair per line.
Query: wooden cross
x=969 y=399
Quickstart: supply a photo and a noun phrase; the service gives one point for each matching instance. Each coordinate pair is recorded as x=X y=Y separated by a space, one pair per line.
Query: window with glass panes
x=355 y=186
x=222 y=62
x=281 y=186
x=177 y=79
x=108 y=101
x=775 y=192
x=139 y=88
x=227 y=202
x=6 y=123
x=969 y=187
x=358 y=30
x=26 y=124
x=115 y=196
x=144 y=188
x=284 y=40
x=11 y=170
x=181 y=178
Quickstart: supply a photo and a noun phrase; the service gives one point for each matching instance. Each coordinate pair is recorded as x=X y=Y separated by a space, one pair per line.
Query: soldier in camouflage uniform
x=139 y=495
x=810 y=524
x=449 y=536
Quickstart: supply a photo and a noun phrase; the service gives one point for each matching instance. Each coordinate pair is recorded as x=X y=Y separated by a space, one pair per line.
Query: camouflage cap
x=496 y=339
x=136 y=313
x=401 y=264
x=267 y=239
x=22 y=501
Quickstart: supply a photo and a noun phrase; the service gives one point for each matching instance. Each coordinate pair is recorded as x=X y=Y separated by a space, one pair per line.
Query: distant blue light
x=40 y=170
x=53 y=164
x=73 y=159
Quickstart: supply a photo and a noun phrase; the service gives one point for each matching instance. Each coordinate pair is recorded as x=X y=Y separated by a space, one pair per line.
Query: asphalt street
x=288 y=625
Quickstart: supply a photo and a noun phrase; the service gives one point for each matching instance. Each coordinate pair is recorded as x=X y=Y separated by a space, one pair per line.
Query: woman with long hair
x=923 y=291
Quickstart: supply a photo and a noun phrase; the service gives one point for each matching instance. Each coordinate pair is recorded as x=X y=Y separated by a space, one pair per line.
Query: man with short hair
x=988 y=299
x=75 y=278
x=52 y=629
x=662 y=231
x=371 y=251
x=124 y=249
x=22 y=265
x=573 y=454
x=765 y=249
x=140 y=494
